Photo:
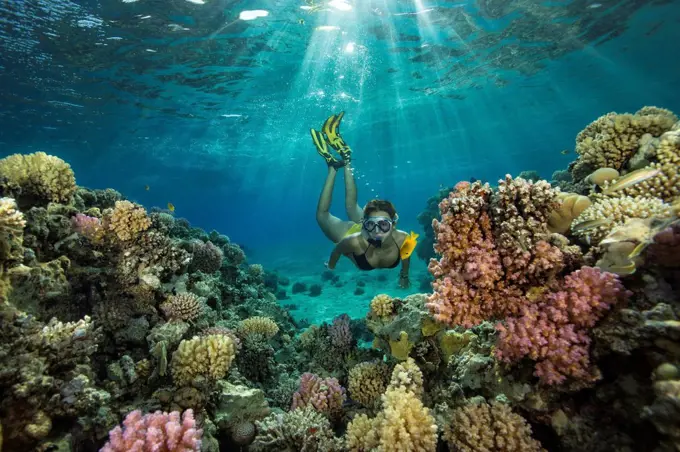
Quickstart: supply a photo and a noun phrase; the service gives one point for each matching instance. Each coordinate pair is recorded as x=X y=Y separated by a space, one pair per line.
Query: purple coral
x=554 y=330
x=160 y=432
x=87 y=226
x=206 y=257
x=340 y=333
x=325 y=395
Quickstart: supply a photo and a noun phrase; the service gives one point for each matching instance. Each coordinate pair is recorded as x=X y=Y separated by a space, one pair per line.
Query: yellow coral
x=258 y=325
x=367 y=382
x=400 y=349
x=430 y=327
x=613 y=212
x=612 y=139
x=489 y=428
x=570 y=206
x=45 y=177
x=452 y=342
x=666 y=184
x=407 y=375
x=126 y=220
x=382 y=305
x=406 y=424
x=361 y=434
x=207 y=356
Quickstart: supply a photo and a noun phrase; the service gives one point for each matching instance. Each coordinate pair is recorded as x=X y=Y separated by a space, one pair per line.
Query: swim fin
x=331 y=129
x=322 y=149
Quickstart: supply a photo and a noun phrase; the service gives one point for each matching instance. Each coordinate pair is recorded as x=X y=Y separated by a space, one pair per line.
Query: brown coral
x=489 y=428
x=127 y=220
x=367 y=382
x=612 y=139
x=208 y=356
x=184 y=306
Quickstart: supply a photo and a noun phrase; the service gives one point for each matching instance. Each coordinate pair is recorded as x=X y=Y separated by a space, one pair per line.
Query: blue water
x=213 y=112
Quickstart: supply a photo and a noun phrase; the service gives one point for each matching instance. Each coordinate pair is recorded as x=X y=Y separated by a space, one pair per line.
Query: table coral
x=553 y=331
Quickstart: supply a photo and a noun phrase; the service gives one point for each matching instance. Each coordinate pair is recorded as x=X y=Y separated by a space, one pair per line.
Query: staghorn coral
x=607 y=213
x=258 y=325
x=183 y=307
x=301 y=430
x=157 y=431
x=126 y=221
x=208 y=356
x=554 y=330
x=37 y=178
x=367 y=382
x=489 y=428
x=325 y=395
x=382 y=306
x=612 y=139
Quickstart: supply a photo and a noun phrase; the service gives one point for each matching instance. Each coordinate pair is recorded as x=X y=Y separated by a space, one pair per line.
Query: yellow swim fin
x=331 y=128
x=322 y=149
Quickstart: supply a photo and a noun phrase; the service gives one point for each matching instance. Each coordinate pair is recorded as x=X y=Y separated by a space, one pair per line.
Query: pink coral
x=157 y=432
x=340 y=332
x=554 y=330
x=89 y=227
x=325 y=395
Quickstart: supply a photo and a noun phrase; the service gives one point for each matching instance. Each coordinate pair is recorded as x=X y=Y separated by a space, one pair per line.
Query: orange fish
x=171 y=207
x=408 y=246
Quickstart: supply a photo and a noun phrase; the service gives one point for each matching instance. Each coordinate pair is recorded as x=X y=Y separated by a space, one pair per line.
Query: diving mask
x=384 y=224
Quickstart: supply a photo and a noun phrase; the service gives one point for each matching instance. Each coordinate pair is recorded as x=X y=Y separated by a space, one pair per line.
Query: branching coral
x=489 y=428
x=367 y=382
x=612 y=139
x=403 y=424
x=151 y=256
x=12 y=225
x=38 y=177
x=184 y=306
x=126 y=221
x=208 y=356
x=205 y=257
x=303 y=430
x=605 y=214
x=258 y=325
x=407 y=375
x=554 y=330
x=163 y=432
x=382 y=306
x=325 y=395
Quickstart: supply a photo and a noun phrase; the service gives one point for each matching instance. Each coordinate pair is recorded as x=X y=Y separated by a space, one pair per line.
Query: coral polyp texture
x=551 y=321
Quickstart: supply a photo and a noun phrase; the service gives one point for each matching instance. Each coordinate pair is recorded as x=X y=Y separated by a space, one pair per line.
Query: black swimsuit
x=363 y=263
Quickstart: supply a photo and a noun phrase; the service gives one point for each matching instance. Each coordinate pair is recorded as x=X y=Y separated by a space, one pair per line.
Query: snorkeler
x=369 y=238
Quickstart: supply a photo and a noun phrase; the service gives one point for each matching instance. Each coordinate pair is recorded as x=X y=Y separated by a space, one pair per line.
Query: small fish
x=147 y=188
x=623 y=270
x=171 y=207
x=594 y=5
x=301 y=21
x=590 y=224
x=631 y=179
x=408 y=246
x=637 y=250
x=565 y=152
x=312 y=430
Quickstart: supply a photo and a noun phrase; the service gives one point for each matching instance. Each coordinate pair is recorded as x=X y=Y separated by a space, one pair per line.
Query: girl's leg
x=354 y=212
x=333 y=227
